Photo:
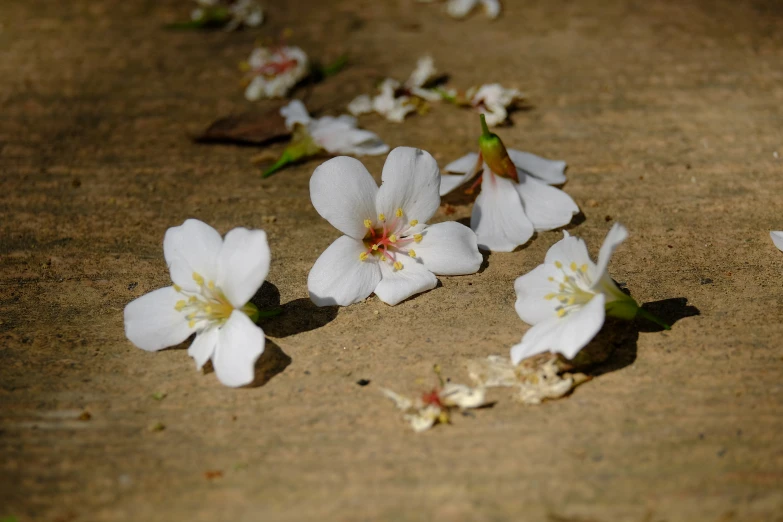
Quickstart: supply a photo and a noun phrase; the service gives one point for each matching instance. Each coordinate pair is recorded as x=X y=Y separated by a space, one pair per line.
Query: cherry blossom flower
x=229 y=14
x=516 y=196
x=567 y=298
x=777 y=238
x=274 y=72
x=214 y=279
x=461 y=8
x=387 y=248
x=435 y=407
x=394 y=100
x=493 y=100
x=335 y=135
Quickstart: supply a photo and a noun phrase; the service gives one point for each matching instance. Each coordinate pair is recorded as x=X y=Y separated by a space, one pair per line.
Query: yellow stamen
x=398 y=213
x=177 y=288
x=392 y=238
x=208 y=309
x=367 y=223
x=561 y=312
x=570 y=301
x=191 y=324
x=363 y=256
x=180 y=305
x=549 y=297
x=558 y=264
x=583 y=268
x=192 y=299
x=417 y=238
x=414 y=222
x=198 y=279
x=552 y=279
x=573 y=266
x=397 y=265
x=375 y=247
x=562 y=287
x=382 y=217
x=412 y=253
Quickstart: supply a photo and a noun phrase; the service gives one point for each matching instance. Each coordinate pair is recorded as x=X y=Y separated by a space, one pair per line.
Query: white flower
x=394 y=100
x=234 y=13
x=275 y=71
x=461 y=8
x=507 y=212
x=435 y=407
x=387 y=247
x=339 y=135
x=493 y=101
x=214 y=279
x=566 y=299
x=777 y=238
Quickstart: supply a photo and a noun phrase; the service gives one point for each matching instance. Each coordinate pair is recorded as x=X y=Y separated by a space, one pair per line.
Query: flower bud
x=494 y=153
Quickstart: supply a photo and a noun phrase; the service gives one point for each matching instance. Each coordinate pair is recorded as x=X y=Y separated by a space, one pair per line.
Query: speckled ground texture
x=669 y=114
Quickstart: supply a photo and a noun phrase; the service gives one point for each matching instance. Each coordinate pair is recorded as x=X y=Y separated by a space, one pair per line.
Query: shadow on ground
x=297 y=316
x=615 y=346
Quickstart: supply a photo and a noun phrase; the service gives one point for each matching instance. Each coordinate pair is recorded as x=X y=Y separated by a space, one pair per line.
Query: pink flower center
x=387 y=241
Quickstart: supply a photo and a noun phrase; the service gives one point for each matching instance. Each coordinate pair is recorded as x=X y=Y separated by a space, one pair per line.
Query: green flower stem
x=484 y=129
x=286 y=159
x=641 y=312
x=270 y=312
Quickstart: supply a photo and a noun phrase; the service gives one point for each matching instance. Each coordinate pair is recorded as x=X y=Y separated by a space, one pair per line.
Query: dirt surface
x=669 y=114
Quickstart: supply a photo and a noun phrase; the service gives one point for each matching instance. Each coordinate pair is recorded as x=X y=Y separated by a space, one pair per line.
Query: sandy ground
x=669 y=115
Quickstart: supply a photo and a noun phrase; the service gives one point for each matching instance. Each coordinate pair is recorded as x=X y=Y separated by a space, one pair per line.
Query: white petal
x=614 y=238
x=400 y=401
x=549 y=171
x=777 y=238
x=462 y=396
x=492 y=7
x=362 y=104
x=256 y=89
x=411 y=181
x=240 y=343
x=340 y=136
x=498 y=217
x=463 y=165
x=449 y=249
x=449 y=183
x=295 y=112
x=531 y=289
x=565 y=335
x=243 y=264
x=547 y=207
x=152 y=323
x=494 y=115
x=343 y=192
x=460 y=8
x=423 y=419
x=191 y=248
x=339 y=277
x=398 y=285
x=570 y=249
x=425 y=70
x=203 y=346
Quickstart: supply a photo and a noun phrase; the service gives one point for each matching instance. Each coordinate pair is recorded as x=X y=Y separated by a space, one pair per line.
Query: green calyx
x=301 y=146
x=255 y=314
x=629 y=309
x=494 y=153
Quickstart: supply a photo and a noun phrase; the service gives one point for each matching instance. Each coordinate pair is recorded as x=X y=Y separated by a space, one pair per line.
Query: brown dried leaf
x=257 y=128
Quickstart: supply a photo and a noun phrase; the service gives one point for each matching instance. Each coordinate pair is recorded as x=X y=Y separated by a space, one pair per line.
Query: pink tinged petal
x=239 y=344
x=777 y=238
x=343 y=193
x=243 y=264
x=449 y=248
x=566 y=335
x=398 y=285
x=532 y=289
x=549 y=171
x=340 y=277
x=498 y=217
x=192 y=247
x=152 y=323
x=614 y=238
x=570 y=249
x=411 y=181
x=203 y=346
x=547 y=207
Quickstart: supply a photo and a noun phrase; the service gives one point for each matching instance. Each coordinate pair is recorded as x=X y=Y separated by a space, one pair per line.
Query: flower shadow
x=297 y=316
x=615 y=346
x=272 y=362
